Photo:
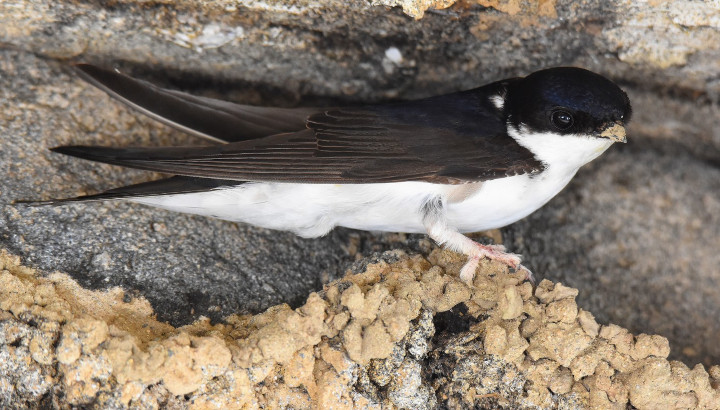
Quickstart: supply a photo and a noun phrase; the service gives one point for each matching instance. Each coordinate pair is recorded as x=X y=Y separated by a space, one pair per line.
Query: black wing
x=454 y=138
x=218 y=120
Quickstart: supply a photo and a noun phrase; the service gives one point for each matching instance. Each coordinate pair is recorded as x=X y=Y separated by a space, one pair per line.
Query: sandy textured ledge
x=405 y=333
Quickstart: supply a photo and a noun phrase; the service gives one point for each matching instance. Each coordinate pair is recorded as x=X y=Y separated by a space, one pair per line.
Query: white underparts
x=314 y=209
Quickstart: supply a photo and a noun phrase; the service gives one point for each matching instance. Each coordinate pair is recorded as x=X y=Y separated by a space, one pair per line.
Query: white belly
x=312 y=210
x=503 y=202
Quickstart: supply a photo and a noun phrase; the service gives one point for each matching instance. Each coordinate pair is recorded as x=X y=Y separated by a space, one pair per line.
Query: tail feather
x=168 y=186
x=110 y=154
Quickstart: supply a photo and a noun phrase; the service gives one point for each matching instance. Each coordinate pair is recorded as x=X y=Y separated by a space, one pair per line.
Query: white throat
x=560 y=151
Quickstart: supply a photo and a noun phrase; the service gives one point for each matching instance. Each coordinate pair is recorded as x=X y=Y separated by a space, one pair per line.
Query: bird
x=446 y=165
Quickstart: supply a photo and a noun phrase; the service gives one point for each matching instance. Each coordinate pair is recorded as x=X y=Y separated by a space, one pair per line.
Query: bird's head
x=569 y=101
x=566 y=115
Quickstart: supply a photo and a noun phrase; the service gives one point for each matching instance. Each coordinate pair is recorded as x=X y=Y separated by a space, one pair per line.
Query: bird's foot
x=496 y=253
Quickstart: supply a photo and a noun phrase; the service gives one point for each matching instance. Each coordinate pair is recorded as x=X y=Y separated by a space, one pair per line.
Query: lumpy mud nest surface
x=405 y=333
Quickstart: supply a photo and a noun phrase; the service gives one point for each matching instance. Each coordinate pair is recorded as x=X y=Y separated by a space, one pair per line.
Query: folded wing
x=455 y=138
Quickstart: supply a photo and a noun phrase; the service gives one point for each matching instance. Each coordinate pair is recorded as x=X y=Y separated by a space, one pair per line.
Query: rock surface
x=401 y=334
x=636 y=232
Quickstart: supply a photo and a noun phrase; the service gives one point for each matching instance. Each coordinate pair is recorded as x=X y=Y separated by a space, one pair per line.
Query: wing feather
x=217 y=120
x=455 y=138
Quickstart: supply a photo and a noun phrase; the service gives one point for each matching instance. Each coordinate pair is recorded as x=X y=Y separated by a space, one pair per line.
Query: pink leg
x=436 y=224
x=492 y=252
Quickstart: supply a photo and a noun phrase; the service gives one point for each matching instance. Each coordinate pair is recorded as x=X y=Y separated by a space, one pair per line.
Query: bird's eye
x=561 y=119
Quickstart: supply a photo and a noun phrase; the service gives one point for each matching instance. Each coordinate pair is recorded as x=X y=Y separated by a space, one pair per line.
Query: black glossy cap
x=593 y=100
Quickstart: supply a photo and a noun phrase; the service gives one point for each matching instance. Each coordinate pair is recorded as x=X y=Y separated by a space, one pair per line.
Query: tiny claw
x=528 y=274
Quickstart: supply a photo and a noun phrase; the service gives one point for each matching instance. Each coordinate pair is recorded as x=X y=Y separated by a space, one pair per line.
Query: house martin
x=461 y=162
